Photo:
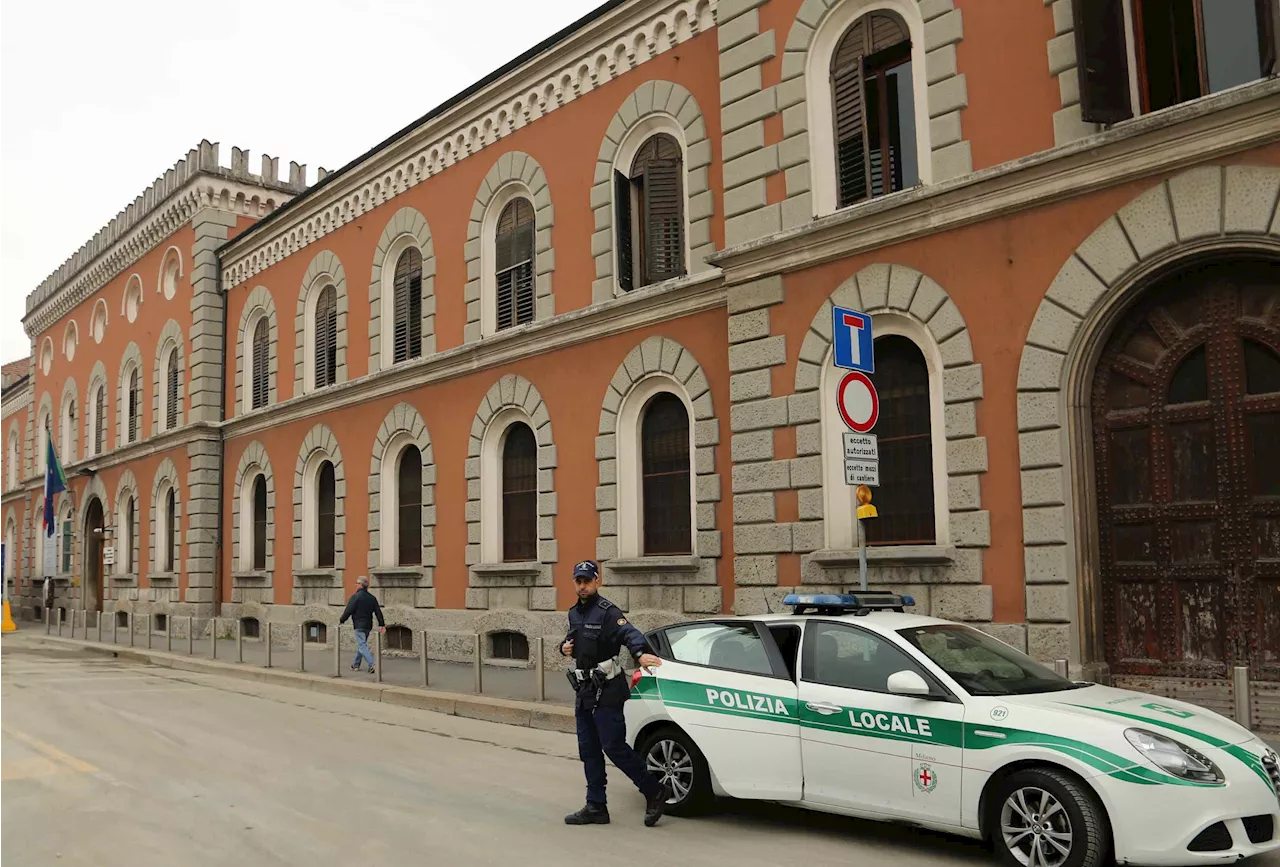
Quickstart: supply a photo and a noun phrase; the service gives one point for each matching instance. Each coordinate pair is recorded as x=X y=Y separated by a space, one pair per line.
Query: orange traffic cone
x=9 y=625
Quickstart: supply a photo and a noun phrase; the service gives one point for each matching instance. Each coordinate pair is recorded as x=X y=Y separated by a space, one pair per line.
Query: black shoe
x=355 y=667
x=371 y=669
x=655 y=806
x=591 y=814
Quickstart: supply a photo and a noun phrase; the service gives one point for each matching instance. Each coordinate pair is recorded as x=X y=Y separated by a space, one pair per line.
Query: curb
x=499 y=710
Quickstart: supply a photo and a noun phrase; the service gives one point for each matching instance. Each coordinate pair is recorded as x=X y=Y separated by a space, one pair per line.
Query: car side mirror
x=907 y=682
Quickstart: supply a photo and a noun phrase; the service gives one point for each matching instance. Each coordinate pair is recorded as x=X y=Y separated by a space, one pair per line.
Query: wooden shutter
x=1102 y=60
x=622 y=229
x=134 y=403
x=261 y=364
x=409 y=507
x=848 y=108
x=100 y=420
x=171 y=387
x=1267 y=34
x=520 y=494
x=664 y=467
x=260 y=522
x=664 y=220
x=326 y=514
x=514 y=255
x=326 y=360
x=407 y=304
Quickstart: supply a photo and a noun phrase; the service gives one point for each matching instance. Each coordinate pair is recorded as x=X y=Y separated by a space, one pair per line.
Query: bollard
x=61 y=617
x=213 y=637
x=48 y=621
x=1060 y=667
x=168 y=634
x=115 y=629
x=1240 y=689
x=422 y=657
x=377 y=656
x=475 y=655
x=151 y=627
x=540 y=686
x=100 y=613
x=239 y=640
x=337 y=650
x=131 y=629
x=268 y=662
x=191 y=626
x=302 y=647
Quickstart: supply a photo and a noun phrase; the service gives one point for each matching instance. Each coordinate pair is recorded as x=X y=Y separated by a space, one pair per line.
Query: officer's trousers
x=603 y=732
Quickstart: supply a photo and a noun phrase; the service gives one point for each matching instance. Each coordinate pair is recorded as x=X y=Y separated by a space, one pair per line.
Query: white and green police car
x=849 y=705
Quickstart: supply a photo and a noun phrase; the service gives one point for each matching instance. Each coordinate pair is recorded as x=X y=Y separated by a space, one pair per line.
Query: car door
x=726 y=685
x=864 y=747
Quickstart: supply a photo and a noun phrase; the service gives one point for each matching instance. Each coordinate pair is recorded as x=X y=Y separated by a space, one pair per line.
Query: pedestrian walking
x=598 y=630
x=362 y=607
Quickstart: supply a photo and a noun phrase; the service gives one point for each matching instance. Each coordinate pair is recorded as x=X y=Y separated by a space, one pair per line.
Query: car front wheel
x=1043 y=818
x=671 y=756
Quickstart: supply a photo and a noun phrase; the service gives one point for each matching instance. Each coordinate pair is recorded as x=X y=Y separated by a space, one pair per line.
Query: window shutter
x=523 y=292
x=663 y=220
x=261 y=362
x=1102 y=59
x=327 y=338
x=99 y=420
x=622 y=229
x=171 y=411
x=134 y=401
x=513 y=264
x=415 y=312
x=1267 y=33
x=852 y=168
x=407 y=306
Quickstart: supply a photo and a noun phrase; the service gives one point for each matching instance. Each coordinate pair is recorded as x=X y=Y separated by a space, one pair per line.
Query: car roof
x=881 y=621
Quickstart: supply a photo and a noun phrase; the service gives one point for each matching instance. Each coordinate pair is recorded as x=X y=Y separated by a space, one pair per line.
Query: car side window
x=840 y=655
x=719 y=645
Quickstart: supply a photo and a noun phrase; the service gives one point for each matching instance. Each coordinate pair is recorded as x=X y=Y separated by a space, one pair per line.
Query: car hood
x=1127 y=708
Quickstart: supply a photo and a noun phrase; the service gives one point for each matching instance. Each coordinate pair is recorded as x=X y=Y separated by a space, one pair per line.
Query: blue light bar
x=847 y=602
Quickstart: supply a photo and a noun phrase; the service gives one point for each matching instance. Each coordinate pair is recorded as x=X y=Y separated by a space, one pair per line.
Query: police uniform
x=598 y=630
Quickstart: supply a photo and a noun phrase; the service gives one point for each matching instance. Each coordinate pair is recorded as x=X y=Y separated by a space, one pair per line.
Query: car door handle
x=823 y=707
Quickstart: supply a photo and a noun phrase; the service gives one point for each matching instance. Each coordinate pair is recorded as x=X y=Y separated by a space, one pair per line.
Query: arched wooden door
x=93 y=551
x=1186 y=425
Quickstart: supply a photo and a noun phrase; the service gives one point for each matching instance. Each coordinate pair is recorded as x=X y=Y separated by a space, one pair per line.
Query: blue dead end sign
x=853 y=347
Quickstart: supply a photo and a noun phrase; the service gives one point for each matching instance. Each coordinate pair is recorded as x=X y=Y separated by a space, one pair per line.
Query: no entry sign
x=858 y=402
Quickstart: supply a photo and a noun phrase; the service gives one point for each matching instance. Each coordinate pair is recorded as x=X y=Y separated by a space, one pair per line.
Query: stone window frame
x=70 y=340
x=1203 y=209
x=44 y=425
x=171 y=340
x=133 y=284
x=127 y=487
x=654 y=99
x=509 y=400
x=513 y=175
x=319 y=444
x=99 y=312
x=46 y=355
x=259 y=304
x=254 y=461
x=324 y=270
x=97 y=379
x=10 y=545
x=68 y=439
x=65 y=510
x=402 y=426
x=130 y=361
x=669 y=366
x=408 y=228
x=13 y=457
x=892 y=289
x=170 y=255
x=165 y=478
x=807 y=151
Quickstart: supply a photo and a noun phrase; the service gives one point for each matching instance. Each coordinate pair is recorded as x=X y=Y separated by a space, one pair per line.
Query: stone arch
x=131 y=360
x=170 y=334
x=261 y=301
x=937 y=28
x=12 y=546
x=97 y=377
x=325 y=269
x=404 y=419
x=662 y=357
x=166 y=475
x=320 y=440
x=519 y=171
x=70 y=392
x=1200 y=210
x=509 y=398
x=254 y=457
x=127 y=486
x=94 y=488
x=650 y=99
x=20 y=462
x=43 y=417
x=407 y=228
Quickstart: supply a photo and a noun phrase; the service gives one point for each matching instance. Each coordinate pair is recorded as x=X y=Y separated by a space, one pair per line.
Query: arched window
x=68 y=540
x=326 y=514
x=514 y=252
x=326 y=342
x=409 y=507
x=68 y=430
x=169 y=277
x=649 y=205
x=11 y=462
x=132 y=297
x=407 y=309
x=905 y=496
x=260 y=522
x=100 y=419
x=134 y=409
x=130 y=534
x=170 y=535
x=171 y=390
x=519 y=494
x=260 y=362
x=664 y=457
x=874 y=109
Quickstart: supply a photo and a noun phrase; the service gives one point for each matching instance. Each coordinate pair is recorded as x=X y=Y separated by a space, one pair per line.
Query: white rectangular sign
x=109 y=555
x=861 y=472
x=860 y=447
x=49 y=564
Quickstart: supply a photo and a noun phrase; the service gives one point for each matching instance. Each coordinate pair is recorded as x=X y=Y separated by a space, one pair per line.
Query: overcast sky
x=99 y=99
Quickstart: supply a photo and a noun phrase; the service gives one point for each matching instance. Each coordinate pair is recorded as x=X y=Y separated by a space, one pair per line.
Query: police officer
x=597 y=631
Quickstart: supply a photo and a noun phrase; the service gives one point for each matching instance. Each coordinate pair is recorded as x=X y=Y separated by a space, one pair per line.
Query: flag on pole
x=55 y=481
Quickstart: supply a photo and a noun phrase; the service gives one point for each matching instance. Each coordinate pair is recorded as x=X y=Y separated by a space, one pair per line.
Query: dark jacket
x=362 y=607
x=599 y=630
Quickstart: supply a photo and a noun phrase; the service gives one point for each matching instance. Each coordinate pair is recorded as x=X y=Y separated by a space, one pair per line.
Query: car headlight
x=1175 y=758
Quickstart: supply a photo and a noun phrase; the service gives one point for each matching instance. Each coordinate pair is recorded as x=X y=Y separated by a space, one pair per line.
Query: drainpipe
x=222 y=451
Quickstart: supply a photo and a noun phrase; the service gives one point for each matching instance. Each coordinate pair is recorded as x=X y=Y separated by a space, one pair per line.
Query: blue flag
x=55 y=481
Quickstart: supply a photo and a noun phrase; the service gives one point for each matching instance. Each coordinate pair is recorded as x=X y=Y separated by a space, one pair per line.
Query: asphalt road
x=108 y=763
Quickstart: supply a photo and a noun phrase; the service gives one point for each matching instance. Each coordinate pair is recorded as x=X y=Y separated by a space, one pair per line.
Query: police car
x=850 y=705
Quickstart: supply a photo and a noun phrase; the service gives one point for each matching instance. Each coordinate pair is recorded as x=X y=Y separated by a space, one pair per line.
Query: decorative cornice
x=19 y=401
x=682 y=297
x=599 y=52
x=165 y=442
x=193 y=183
x=1167 y=141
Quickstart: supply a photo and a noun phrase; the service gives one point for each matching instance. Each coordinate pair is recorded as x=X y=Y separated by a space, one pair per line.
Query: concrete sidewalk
x=551 y=716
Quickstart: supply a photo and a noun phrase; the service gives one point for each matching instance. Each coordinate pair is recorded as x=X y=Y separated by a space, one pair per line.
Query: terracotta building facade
x=583 y=309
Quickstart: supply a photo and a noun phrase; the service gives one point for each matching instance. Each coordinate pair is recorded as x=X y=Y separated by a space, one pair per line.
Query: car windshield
x=981 y=664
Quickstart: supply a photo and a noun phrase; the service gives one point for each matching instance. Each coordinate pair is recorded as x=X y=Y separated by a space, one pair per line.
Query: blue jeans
x=362 y=648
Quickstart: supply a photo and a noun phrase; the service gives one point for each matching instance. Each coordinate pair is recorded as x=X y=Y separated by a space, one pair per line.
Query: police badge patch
x=622 y=621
